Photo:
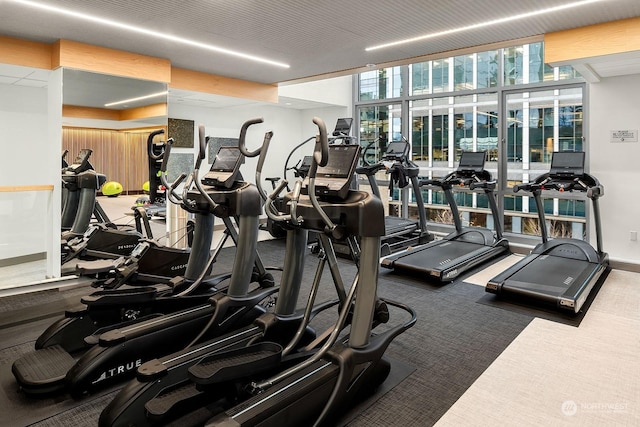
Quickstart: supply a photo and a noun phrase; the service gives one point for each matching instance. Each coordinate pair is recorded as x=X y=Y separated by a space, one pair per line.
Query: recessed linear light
x=483 y=24
x=139 y=98
x=133 y=28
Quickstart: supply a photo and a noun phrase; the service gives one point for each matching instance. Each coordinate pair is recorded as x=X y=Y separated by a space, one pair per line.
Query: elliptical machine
x=83 y=239
x=83 y=355
x=254 y=360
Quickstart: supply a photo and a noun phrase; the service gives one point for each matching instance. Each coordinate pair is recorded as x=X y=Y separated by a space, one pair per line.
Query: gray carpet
x=453 y=342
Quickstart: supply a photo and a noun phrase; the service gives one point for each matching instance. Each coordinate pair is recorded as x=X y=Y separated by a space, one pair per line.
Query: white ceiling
x=313 y=36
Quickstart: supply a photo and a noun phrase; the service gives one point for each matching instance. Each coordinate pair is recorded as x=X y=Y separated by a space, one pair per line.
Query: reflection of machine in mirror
x=113 y=116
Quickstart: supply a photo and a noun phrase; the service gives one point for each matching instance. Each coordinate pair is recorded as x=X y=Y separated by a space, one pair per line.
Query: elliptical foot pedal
x=89 y=268
x=43 y=371
x=182 y=398
x=236 y=364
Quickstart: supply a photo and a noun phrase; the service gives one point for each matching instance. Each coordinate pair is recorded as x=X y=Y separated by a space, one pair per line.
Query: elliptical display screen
x=223 y=170
x=567 y=163
x=334 y=179
x=343 y=126
x=341 y=164
x=226 y=160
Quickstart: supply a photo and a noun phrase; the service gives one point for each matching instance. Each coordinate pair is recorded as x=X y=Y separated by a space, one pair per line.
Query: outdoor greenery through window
x=472 y=102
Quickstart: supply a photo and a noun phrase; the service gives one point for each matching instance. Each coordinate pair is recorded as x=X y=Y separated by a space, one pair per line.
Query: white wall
x=614 y=105
x=24 y=124
x=334 y=91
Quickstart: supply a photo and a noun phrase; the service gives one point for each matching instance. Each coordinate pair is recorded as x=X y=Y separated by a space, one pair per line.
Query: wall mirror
x=113 y=116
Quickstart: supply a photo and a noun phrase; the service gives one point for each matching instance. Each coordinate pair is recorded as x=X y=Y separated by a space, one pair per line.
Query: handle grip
x=165 y=155
x=150 y=144
x=203 y=146
x=243 y=135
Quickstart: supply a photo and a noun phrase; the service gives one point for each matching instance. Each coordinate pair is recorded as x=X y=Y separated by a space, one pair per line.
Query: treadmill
x=400 y=232
x=466 y=247
x=559 y=272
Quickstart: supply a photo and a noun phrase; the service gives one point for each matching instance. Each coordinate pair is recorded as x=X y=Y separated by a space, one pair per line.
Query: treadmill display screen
x=226 y=160
x=567 y=163
x=472 y=161
x=342 y=161
x=397 y=150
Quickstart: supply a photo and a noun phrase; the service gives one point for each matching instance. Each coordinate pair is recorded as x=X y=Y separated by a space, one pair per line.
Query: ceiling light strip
x=139 y=98
x=483 y=24
x=140 y=30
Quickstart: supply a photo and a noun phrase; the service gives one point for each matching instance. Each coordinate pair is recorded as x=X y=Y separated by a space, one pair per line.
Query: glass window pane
x=463 y=72
x=420 y=78
x=513 y=67
x=381 y=123
x=381 y=84
x=441 y=76
x=487 y=69
x=463 y=126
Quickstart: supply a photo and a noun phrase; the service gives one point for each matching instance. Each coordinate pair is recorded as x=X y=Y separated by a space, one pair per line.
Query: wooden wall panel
x=138 y=173
x=110 y=61
x=210 y=83
x=608 y=38
x=121 y=156
x=26 y=53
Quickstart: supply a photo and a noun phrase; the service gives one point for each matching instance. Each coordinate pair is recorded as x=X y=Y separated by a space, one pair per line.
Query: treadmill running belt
x=435 y=257
x=396 y=224
x=550 y=275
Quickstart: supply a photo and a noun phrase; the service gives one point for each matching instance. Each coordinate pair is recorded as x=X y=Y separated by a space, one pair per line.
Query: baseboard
x=23 y=259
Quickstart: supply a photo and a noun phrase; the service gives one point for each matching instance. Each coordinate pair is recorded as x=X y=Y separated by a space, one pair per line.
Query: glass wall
x=472 y=102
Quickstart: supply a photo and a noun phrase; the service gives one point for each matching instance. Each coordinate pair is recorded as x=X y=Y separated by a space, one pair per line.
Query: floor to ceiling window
x=506 y=102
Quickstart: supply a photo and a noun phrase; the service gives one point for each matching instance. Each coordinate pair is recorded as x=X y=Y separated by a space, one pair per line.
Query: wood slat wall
x=121 y=156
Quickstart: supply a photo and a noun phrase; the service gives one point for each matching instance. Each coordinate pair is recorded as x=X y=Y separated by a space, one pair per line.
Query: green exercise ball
x=112 y=188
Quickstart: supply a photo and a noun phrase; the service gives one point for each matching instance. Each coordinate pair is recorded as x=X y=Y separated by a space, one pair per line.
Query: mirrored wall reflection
x=113 y=116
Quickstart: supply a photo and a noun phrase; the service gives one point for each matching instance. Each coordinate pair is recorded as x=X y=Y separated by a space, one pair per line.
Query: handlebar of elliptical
x=320 y=158
x=171 y=194
x=243 y=135
x=195 y=174
x=364 y=152
x=202 y=150
x=150 y=145
x=165 y=155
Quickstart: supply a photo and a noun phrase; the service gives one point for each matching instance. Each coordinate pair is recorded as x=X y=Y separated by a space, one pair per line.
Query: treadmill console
x=397 y=151
x=567 y=164
x=224 y=168
x=471 y=163
x=334 y=179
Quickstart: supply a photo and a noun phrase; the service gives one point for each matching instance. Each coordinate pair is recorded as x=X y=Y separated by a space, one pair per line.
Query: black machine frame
x=465 y=248
x=561 y=272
